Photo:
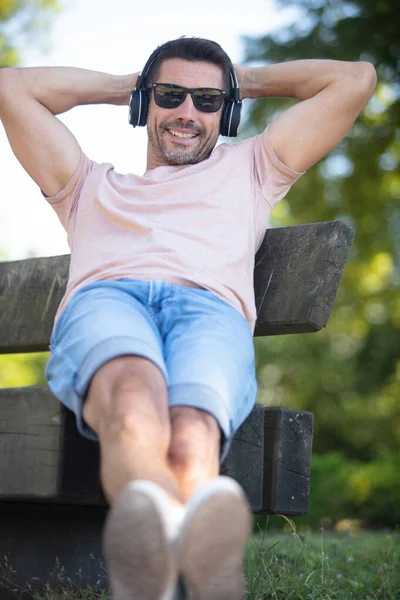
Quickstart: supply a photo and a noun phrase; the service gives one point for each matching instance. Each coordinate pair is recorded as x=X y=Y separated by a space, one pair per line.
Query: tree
x=348 y=375
x=22 y=21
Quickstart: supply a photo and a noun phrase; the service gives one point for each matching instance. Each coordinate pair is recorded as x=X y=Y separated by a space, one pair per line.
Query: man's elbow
x=356 y=84
x=366 y=78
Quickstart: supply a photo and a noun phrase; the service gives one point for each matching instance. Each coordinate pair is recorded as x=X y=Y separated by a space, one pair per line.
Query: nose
x=187 y=109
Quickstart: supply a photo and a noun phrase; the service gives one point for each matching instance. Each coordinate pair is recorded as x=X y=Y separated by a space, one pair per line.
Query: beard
x=179 y=154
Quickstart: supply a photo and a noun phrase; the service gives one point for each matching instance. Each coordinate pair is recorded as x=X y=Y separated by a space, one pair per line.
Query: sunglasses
x=169 y=95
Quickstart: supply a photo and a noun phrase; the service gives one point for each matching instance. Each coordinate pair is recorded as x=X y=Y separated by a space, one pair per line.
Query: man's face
x=165 y=125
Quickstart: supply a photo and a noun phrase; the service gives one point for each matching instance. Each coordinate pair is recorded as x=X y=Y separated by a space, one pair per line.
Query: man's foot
x=212 y=542
x=136 y=544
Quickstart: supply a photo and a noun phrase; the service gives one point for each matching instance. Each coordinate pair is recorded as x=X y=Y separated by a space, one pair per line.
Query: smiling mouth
x=182 y=135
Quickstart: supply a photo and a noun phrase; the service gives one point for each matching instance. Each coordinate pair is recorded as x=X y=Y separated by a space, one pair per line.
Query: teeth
x=182 y=135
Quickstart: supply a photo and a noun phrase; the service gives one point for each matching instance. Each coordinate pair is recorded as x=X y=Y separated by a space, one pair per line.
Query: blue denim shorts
x=202 y=345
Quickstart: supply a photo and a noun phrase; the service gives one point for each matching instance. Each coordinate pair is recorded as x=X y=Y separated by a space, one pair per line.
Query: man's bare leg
x=209 y=548
x=194 y=450
x=127 y=406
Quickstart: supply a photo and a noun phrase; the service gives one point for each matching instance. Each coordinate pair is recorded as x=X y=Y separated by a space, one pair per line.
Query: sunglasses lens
x=207 y=99
x=171 y=96
x=168 y=96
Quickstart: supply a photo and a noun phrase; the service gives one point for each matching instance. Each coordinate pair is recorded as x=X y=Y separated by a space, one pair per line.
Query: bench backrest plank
x=297 y=274
x=296 y=277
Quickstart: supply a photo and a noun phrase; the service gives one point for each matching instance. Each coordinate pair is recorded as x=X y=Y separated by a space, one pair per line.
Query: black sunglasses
x=169 y=95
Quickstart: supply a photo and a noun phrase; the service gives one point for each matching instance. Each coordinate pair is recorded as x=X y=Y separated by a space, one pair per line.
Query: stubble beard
x=179 y=154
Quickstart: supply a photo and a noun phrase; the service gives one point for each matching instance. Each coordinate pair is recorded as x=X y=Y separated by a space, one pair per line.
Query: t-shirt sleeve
x=66 y=201
x=273 y=177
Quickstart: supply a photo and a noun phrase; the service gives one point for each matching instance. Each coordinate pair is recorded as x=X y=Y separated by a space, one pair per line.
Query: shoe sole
x=136 y=548
x=212 y=542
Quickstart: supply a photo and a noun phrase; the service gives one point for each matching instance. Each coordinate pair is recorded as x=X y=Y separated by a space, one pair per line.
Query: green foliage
x=22 y=22
x=349 y=374
x=18 y=370
x=369 y=492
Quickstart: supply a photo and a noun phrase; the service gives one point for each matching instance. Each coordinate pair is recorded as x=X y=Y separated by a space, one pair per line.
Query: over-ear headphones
x=140 y=100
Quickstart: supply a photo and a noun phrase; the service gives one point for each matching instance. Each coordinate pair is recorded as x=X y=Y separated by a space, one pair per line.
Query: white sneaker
x=136 y=544
x=211 y=545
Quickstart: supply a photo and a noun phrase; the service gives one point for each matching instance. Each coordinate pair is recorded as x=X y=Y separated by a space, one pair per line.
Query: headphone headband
x=143 y=74
x=234 y=85
x=153 y=57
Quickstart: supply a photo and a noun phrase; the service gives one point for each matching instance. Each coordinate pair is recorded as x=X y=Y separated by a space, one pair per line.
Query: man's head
x=185 y=133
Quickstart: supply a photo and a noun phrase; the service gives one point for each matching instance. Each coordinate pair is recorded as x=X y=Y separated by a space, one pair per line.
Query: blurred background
x=349 y=374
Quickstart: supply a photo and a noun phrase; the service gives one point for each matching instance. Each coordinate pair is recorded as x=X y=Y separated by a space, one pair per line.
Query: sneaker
x=136 y=544
x=212 y=541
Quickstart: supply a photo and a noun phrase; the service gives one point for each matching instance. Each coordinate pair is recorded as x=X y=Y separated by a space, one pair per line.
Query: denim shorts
x=202 y=345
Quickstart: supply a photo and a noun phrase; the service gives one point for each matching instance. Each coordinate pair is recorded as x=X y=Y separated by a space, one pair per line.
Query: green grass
x=290 y=566
x=324 y=566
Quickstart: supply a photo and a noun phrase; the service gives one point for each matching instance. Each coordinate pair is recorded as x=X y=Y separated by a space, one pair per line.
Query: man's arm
x=331 y=93
x=29 y=100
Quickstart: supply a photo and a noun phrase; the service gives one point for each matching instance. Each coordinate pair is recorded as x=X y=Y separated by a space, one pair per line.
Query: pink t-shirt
x=198 y=225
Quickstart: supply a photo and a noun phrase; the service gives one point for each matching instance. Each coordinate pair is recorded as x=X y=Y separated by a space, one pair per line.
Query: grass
x=323 y=566
x=291 y=566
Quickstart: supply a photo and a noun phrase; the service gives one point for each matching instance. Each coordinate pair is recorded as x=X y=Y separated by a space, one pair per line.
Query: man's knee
x=128 y=396
x=195 y=436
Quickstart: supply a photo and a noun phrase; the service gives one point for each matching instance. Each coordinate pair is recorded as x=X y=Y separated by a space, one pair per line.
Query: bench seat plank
x=45 y=459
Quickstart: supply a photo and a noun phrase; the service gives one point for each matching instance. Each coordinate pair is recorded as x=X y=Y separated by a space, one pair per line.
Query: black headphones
x=139 y=102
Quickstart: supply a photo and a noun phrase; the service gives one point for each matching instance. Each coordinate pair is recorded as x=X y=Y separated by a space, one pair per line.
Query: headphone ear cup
x=145 y=108
x=235 y=121
x=138 y=108
x=134 y=108
x=223 y=129
x=230 y=119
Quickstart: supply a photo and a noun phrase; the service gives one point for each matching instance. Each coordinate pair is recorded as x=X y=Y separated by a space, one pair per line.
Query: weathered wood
x=44 y=458
x=270 y=457
x=296 y=277
x=297 y=274
x=30 y=293
x=288 y=436
x=30 y=442
x=245 y=461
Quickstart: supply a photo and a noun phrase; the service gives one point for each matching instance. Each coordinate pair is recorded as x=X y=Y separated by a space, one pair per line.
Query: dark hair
x=193 y=49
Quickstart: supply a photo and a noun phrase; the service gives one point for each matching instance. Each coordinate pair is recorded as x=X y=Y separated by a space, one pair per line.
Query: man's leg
x=127 y=407
x=194 y=450
x=217 y=523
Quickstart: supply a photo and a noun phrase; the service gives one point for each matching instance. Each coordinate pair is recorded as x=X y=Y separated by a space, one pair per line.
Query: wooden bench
x=51 y=503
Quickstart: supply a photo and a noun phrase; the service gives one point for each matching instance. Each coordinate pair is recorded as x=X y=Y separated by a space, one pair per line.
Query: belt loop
x=151 y=293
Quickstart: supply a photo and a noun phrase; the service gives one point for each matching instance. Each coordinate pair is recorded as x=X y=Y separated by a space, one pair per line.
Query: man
x=152 y=346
